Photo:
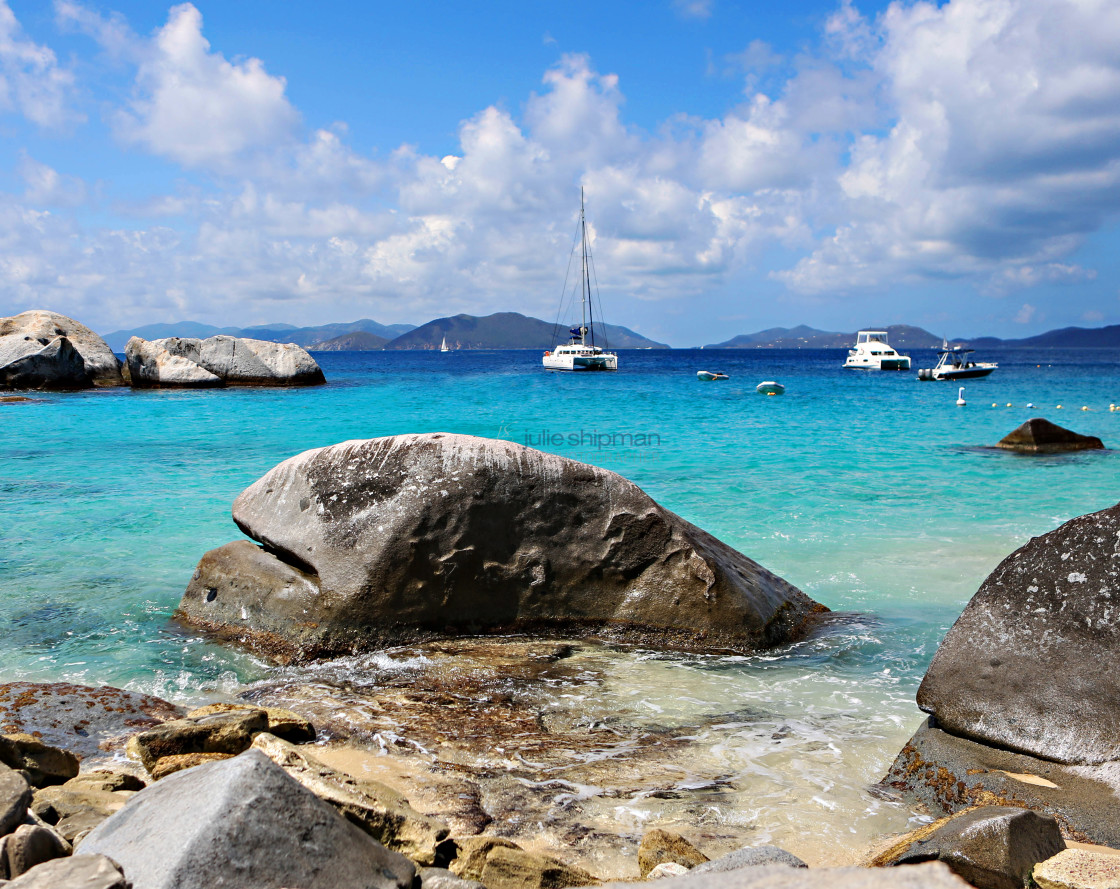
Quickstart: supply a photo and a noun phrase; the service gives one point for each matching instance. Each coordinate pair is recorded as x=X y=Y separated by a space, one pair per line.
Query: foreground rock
x=1039 y=436
x=45 y=350
x=500 y=864
x=225 y=732
x=754 y=856
x=41 y=763
x=1033 y=662
x=79 y=872
x=181 y=362
x=933 y=875
x=242 y=822
x=89 y=722
x=662 y=847
x=991 y=847
x=370 y=543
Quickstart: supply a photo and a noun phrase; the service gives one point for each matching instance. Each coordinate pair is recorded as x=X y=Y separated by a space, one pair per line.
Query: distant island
x=903 y=337
x=502 y=330
x=512 y=330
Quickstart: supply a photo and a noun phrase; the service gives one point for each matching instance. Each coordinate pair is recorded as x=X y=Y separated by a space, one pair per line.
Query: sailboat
x=443 y=346
x=580 y=352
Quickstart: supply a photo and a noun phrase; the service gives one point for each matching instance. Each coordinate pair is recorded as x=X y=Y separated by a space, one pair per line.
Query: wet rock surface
x=550 y=745
x=660 y=847
x=34 y=331
x=1033 y=662
x=242 y=822
x=223 y=732
x=945 y=774
x=990 y=847
x=391 y=540
x=86 y=721
x=1039 y=436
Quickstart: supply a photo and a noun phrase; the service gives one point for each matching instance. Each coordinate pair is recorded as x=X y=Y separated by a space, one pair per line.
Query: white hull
x=872 y=352
x=580 y=358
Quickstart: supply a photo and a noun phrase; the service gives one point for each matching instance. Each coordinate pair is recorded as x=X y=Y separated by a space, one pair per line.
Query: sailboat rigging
x=578 y=353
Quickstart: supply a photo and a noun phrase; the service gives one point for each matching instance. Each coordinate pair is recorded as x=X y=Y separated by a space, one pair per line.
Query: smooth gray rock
x=754 y=856
x=945 y=774
x=102 y=367
x=151 y=366
x=26 y=363
x=15 y=798
x=1039 y=436
x=85 y=720
x=31 y=845
x=242 y=822
x=78 y=872
x=245 y=362
x=1033 y=662
x=992 y=847
x=369 y=543
x=933 y=875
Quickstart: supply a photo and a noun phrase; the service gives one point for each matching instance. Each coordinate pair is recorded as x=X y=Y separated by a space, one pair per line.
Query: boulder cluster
x=45 y=350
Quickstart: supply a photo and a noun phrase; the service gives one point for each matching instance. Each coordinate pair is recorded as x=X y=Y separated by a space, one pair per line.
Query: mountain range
x=502 y=330
x=275 y=333
x=512 y=330
x=903 y=336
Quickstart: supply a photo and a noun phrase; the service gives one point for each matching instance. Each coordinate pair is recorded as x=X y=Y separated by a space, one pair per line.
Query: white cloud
x=694 y=9
x=193 y=106
x=46 y=187
x=1025 y=314
x=31 y=81
x=1004 y=154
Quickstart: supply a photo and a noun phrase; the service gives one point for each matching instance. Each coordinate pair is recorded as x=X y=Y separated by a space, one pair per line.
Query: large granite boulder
x=26 y=363
x=369 y=543
x=151 y=366
x=1039 y=436
x=242 y=822
x=101 y=367
x=1033 y=662
x=219 y=360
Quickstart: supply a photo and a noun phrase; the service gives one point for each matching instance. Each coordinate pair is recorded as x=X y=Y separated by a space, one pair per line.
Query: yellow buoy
x=1084 y=407
x=1009 y=404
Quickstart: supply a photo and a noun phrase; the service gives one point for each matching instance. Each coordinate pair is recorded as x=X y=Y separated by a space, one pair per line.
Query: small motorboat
x=954 y=364
x=711 y=375
x=769 y=387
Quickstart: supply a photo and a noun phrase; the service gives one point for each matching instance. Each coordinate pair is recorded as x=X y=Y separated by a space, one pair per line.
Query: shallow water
x=873 y=492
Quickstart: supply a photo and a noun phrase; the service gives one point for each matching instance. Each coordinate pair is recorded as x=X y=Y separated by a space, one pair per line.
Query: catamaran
x=579 y=353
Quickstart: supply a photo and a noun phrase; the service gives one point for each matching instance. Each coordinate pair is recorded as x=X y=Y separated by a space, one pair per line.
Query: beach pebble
x=667 y=869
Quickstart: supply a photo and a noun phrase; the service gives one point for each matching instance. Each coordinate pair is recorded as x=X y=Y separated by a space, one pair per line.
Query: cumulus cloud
x=46 y=187
x=197 y=108
x=31 y=80
x=694 y=9
x=1004 y=152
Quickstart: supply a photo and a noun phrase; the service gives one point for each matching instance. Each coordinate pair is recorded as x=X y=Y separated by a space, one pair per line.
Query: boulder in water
x=100 y=366
x=1039 y=436
x=1033 y=662
x=26 y=363
x=219 y=360
x=369 y=543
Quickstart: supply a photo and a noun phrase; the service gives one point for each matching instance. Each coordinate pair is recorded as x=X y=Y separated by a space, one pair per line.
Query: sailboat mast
x=584 y=282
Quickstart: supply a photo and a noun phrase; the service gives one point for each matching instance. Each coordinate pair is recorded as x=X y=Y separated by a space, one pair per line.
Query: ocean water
x=874 y=493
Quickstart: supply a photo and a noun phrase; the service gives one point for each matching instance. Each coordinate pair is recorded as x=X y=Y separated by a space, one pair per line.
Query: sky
x=745 y=165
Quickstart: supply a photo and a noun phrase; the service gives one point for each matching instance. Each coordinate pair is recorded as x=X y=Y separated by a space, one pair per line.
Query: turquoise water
x=867 y=490
x=873 y=492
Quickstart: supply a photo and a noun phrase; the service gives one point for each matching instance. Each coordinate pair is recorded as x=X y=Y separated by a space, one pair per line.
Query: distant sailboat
x=443 y=346
x=578 y=353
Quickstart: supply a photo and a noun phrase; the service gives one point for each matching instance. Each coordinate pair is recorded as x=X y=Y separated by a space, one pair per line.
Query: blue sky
x=746 y=165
